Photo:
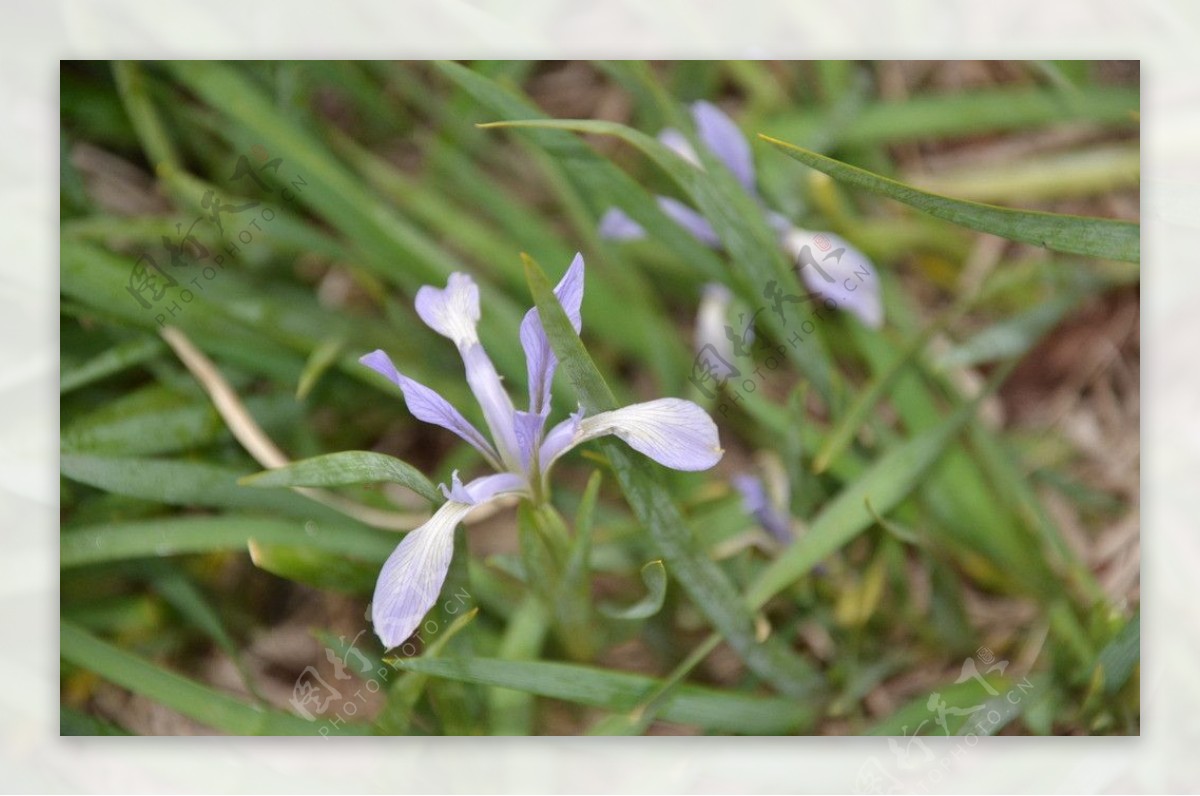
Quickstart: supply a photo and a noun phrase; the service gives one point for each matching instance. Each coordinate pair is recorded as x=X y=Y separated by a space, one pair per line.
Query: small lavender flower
x=829 y=266
x=673 y=432
x=772 y=517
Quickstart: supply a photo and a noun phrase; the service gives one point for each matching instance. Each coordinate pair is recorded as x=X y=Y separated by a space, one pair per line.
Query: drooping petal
x=690 y=220
x=837 y=272
x=497 y=407
x=429 y=407
x=723 y=138
x=674 y=432
x=615 y=224
x=539 y=357
x=412 y=577
x=677 y=142
x=452 y=311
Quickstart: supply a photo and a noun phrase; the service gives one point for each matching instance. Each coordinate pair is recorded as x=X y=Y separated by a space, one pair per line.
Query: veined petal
x=837 y=272
x=723 y=138
x=493 y=400
x=690 y=220
x=615 y=224
x=412 y=577
x=539 y=357
x=677 y=142
x=529 y=427
x=671 y=431
x=452 y=311
x=429 y=407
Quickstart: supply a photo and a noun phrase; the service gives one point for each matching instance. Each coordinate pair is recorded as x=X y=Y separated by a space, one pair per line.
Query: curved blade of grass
x=345 y=469
x=705 y=583
x=1092 y=237
x=654 y=575
x=194 y=700
x=118 y=541
x=313 y=567
x=687 y=704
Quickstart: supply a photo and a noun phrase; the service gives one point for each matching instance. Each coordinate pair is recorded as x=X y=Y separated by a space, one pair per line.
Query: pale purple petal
x=838 y=273
x=560 y=440
x=539 y=357
x=493 y=400
x=452 y=311
x=722 y=137
x=616 y=225
x=674 y=432
x=690 y=220
x=529 y=427
x=711 y=319
x=412 y=577
x=429 y=407
x=483 y=489
x=758 y=504
x=677 y=142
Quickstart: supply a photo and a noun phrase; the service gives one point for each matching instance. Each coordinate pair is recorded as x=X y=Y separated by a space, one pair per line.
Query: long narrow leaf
x=1094 y=237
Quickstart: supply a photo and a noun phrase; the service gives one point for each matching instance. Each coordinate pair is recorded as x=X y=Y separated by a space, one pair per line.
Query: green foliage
x=638 y=595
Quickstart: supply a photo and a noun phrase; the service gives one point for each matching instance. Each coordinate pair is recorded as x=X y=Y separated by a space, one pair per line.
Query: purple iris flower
x=673 y=432
x=830 y=267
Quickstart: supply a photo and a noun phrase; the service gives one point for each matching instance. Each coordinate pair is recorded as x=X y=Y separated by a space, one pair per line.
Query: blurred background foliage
x=964 y=489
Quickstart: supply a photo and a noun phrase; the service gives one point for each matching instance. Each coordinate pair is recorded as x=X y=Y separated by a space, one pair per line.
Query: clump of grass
x=961 y=483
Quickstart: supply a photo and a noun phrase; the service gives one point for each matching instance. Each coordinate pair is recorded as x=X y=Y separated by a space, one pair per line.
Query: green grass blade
x=118 y=541
x=1093 y=237
x=194 y=700
x=654 y=575
x=344 y=469
x=687 y=704
x=114 y=360
x=184 y=483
